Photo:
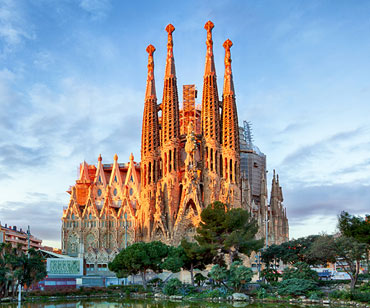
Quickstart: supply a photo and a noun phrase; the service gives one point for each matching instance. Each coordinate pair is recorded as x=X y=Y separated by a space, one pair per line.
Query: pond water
x=111 y=303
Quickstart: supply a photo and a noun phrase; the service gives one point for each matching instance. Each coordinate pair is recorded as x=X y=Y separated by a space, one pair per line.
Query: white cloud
x=97 y=8
x=14 y=28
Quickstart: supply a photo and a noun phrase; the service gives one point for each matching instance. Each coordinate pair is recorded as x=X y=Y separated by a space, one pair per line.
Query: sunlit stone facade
x=185 y=165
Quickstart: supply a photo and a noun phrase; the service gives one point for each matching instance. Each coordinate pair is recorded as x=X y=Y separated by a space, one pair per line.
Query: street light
x=125 y=239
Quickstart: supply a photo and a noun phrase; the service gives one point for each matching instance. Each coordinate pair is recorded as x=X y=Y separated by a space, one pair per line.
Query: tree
x=239 y=275
x=188 y=256
x=31 y=268
x=227 y=231
x=139 y=258
x=356 y=227
x=234 y=277
x=300 y=270
x=343 y=250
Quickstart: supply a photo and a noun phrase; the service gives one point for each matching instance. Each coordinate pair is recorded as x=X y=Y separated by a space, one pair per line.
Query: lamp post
x=28 y=241
x=125 y=239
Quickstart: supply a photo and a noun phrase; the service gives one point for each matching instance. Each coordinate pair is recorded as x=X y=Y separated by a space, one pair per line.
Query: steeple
x=210 y=63
x=230 y=126
x=170 y=103
x=170 y=61
x=150 y=83
x=210 y=102
x=150 y=130
x=228 y=79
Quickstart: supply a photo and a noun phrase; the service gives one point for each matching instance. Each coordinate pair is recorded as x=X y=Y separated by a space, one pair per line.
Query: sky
x=72 y=85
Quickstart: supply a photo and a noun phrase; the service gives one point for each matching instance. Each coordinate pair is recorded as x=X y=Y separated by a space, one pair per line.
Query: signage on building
x=64 y=267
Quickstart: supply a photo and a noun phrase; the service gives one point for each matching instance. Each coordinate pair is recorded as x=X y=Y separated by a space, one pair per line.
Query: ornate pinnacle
x=100 y=158
x=210 y=66
x=115 y=157
x=227 y=45
x=209 y=26
x=150 y=85
x=170 y=28
x=228 y=80
x=170 y=62
x=150 y=50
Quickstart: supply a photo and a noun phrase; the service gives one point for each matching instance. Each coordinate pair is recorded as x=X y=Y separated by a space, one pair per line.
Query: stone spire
x=150 y=130
x=230 y=126
x=228 y=79
x=150 y=83
x=210 y=102
x=170 y=61
x=210 y=63
x=170 y=103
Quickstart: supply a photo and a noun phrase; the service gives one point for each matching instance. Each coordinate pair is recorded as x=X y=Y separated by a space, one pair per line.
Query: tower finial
x=228 y=79
x=150 y=84
x=115 y=157
x=170 y=62
x=210 y=65
x=100 y=158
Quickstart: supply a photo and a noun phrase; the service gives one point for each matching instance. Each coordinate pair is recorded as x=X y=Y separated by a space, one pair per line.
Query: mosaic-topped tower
x=185 y=165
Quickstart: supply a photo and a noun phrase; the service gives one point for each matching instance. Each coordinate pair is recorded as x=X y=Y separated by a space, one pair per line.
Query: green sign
x=64 y=267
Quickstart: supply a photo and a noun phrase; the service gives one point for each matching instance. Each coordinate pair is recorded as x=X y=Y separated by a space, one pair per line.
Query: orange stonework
x=189 y=158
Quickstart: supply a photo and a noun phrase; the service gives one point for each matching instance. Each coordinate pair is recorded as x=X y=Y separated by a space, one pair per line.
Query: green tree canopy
x=345 y=251
x=188 y=256
x=355 y=226
x=227 y=231
x=139 y=258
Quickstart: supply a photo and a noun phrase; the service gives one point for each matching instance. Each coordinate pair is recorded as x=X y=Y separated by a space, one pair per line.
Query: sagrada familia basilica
x=190 y=157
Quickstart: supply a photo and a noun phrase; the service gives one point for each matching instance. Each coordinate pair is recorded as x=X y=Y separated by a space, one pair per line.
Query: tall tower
x=210 y=124
x=230 y=136
x=170 y=136
x=149 y=148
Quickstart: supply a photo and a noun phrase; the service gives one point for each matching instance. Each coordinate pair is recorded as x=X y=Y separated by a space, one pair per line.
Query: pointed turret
x=274 y=190
x=150 y=130
x=210 y=102
x=230 y=126
x=100 y=179
x=150 y=83
x=170 y=102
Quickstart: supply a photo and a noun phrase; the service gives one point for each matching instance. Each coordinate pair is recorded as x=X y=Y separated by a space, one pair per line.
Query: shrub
x=315 y=295
x=296 y=286
x=271 y=275
x=188 y=289
x=172 y=287
x=217 y=292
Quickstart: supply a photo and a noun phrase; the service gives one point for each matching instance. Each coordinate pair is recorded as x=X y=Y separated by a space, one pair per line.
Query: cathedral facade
x=190 y=157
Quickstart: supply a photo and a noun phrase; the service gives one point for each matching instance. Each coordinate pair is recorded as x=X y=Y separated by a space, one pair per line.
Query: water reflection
x=144 y=304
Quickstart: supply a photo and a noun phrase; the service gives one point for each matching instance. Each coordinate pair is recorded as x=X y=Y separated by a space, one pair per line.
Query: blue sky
x=72 y=82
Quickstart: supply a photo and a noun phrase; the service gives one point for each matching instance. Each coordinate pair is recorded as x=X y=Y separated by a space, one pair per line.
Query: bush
x=271 y=275
x=172 y=287
x=188 y=289
x=315 y=295
x=340 y=294
x=296 y=286
x=356 y=295
x=218 y=292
